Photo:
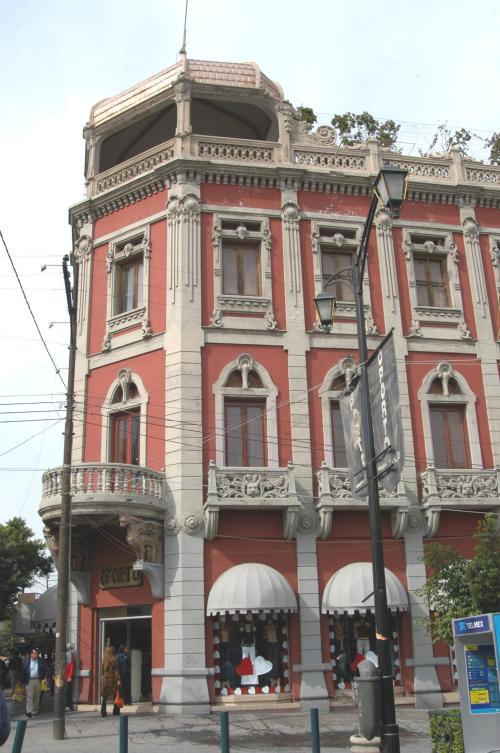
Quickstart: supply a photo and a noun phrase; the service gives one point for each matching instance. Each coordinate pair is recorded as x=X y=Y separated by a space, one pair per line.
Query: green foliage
x=459 y=587
x=22 y=557
x=446 y=731
x=356 y=129
x=307 y=116
x=5 y=638
x=493 y=145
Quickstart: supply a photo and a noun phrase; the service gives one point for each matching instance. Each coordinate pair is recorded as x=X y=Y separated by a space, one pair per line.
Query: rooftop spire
x=182 y=51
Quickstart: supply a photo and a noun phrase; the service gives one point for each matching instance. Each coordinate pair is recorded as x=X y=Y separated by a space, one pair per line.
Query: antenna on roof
x=182 y=51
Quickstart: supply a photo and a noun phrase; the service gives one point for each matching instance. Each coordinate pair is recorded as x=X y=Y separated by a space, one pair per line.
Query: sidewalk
x=260 y=732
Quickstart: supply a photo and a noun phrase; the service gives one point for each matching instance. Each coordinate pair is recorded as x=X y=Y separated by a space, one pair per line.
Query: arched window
x=245 y=415
x=335 y=382
x=449 y=418
x=124 y=421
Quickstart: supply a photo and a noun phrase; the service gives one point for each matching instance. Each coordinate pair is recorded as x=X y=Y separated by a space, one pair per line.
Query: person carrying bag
x=110 y=680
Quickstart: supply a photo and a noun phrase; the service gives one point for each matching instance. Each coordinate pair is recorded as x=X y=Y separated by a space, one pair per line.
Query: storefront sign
x=482 y=679
x=120 y=576
x=479 y=624
x=386 y=421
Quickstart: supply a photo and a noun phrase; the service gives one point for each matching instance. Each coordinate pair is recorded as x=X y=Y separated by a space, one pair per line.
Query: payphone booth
x=477 y=651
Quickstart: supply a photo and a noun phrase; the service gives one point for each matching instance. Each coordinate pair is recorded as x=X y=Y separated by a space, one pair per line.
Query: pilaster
x=313 y=690
x=486 y=346
x=184 y=687
x=83 y=257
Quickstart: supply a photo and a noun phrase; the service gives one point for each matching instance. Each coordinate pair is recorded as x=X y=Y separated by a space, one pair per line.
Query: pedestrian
x=4 y=720
x=35 y=671
x=124 y=668
x=110 y=680
x=69 y=673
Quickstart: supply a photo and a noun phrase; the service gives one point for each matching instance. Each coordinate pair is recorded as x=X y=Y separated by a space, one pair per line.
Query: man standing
x=34 y=672
x=124 y=669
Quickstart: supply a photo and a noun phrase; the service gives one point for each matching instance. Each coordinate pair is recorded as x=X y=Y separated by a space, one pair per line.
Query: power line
x=31 y=310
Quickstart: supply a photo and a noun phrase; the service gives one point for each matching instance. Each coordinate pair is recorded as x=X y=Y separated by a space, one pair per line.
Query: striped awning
x=251 y=587
x=350 y=590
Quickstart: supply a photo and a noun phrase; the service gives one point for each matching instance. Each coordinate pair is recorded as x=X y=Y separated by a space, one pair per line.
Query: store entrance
x=135 y=634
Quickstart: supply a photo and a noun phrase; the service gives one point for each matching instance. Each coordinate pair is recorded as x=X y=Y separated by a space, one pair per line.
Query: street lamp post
x=389 y=192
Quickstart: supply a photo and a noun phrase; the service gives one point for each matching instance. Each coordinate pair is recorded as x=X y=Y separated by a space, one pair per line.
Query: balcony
x=458 y=488
x=334 y=492
x=251 y=489
x=105 y=489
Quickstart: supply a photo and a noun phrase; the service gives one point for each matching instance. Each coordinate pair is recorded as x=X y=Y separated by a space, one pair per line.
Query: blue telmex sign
x=479 y=624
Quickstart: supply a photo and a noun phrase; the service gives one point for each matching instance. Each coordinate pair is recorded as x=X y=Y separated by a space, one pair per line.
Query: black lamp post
x=389 y=190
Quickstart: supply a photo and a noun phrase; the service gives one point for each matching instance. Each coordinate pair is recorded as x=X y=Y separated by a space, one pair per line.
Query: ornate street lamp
x=389 y=190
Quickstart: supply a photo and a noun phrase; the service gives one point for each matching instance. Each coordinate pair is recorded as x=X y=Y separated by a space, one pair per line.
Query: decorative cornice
x=269 y=175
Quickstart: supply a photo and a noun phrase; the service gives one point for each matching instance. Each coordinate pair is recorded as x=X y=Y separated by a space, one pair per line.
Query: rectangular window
x=245 y=433
x=449 y=436
x=241 y=269
x=431 y=279
x=129 y=285
x=331 y=263
x=338 y=441
x=125 y=438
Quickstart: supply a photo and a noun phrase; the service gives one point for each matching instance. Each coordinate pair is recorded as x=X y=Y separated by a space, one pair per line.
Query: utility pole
x=64 y=543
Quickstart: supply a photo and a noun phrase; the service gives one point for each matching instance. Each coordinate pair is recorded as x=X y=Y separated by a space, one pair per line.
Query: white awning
x=251 y=587
x=350 y=590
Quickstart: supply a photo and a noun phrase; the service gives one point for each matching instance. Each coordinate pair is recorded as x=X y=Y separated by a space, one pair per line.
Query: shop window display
x=251 y=654
x=351 y=638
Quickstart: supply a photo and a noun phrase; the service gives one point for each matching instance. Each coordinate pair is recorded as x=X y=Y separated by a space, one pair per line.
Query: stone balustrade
x=462 y=487
x=251 y=489
x=310 y=151
x=101 y=488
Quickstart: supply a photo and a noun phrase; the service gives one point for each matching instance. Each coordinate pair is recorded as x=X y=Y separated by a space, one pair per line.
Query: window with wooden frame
x=245 y=432
x=125 y=437
x=332 y=262
x=431 y=280
x=241 y=274
x=127 y=263
x=338 y=441
x=449 y=436
x=129 y=284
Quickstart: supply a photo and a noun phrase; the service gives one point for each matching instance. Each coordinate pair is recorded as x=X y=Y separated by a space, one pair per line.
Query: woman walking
x=110 y=679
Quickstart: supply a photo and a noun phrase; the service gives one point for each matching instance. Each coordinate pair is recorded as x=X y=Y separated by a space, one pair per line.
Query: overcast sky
x=422 y=63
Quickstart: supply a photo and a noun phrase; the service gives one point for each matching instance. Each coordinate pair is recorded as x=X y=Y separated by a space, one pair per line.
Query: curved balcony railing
x=98 y=488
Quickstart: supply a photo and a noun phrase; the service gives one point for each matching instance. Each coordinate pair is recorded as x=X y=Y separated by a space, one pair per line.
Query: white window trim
x=234 y=304
x=269 y=392
x=345 y=368
x=124 y=378
x=121 y=248
x=430 y=315
x=445 y=371
x=329 y=235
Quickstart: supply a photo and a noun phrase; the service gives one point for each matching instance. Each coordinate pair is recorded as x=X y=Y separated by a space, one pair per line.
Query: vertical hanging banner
x=386 y=422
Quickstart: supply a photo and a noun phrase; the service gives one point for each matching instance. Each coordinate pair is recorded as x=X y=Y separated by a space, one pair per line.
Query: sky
x=423 y=64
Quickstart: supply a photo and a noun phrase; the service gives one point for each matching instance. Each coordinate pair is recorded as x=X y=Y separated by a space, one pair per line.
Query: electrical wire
x=31 y=311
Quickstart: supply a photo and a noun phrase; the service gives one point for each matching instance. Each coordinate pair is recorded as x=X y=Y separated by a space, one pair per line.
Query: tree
x=307 y=116
x=459 y=587
x=22 y=558
x=355 y=129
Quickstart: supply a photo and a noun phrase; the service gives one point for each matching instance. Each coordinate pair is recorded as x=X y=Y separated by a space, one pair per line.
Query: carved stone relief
x=144 y=537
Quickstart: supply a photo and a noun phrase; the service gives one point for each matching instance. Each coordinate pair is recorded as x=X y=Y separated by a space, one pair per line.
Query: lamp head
x=325 y=307
x=390 y=187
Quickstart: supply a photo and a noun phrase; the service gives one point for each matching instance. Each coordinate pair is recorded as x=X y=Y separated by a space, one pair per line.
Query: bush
x=446 y=731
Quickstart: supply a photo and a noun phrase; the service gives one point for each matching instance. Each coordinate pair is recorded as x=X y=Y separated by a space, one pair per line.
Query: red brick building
x=214 y=530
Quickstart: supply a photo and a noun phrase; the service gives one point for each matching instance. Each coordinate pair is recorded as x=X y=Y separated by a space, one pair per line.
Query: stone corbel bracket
x=81 y=581
x=432 y=517
x=154 y=572
x=399 y=522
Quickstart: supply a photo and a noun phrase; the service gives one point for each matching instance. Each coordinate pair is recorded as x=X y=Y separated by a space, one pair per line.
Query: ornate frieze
x=460 y=484
x=252 y=488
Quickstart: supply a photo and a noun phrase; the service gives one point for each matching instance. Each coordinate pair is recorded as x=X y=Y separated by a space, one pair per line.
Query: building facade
x=214 y=530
